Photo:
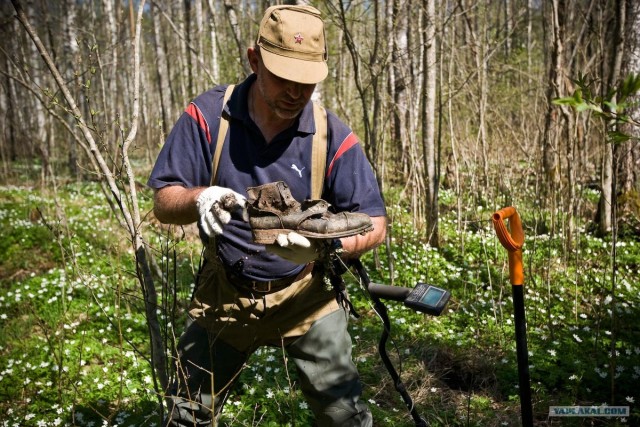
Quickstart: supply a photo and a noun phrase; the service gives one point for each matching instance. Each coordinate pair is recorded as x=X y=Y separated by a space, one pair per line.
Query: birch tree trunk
x=428 y=121
x=182 y=61
x=10 y=118
x=112 y=100
x=554 y=82
x=6 y=125
x=215 y=63
x=189 y=60
x=628 y=152
x=606 y=195
x=508 y=26
x=374 y=138
x=398 y=76
x=39 y=133
x=71 y=53
x=232 y=16
x=199 y=83
x=448 y=35
x=607 y=202
x=529 y=39
x=162 y=72
x=483 y=84
x=415 y=82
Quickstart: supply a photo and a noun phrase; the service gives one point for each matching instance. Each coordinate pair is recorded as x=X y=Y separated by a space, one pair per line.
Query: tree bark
x=71 y=54
x=213 y=34
x=607 y=203
x=10 y=118
x=38 y=135
x=162 y=72
x=508 y=26
x=232 y=16
x=191 y=93
x=629 y=151
x=199 y=83
x=554 y=90
x=428 y=121
x=399 y=73
x=113 y=99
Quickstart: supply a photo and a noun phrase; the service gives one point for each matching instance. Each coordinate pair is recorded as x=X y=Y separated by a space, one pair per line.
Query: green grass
x=74 y=342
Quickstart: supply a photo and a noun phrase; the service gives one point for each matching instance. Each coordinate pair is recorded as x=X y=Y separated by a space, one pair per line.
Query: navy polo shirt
x=248 y=161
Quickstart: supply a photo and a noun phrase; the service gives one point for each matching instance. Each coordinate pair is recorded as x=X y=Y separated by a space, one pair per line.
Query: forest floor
x=74 y=340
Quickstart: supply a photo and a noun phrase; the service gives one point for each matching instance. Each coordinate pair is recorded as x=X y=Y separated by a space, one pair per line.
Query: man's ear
x=254 y=58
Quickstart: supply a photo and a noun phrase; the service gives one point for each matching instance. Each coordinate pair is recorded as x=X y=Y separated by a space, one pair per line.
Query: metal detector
x=513 y=244
x=424 y=298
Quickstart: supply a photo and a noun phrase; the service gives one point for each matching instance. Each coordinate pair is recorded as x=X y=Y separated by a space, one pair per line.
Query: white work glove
x=296 y=248
x=215 y=205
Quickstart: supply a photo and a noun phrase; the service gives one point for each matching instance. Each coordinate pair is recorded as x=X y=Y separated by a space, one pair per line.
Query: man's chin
x=287 y=114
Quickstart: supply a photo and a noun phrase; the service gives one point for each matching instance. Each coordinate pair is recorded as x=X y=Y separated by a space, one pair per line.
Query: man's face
x=285 y=98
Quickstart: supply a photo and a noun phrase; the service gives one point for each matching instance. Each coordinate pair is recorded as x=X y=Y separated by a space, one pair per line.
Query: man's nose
x=294 y=89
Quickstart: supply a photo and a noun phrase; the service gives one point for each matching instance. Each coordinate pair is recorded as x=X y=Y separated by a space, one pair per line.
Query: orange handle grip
x=512 y=242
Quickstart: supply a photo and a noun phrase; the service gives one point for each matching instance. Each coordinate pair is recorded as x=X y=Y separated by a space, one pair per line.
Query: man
x=249 y=295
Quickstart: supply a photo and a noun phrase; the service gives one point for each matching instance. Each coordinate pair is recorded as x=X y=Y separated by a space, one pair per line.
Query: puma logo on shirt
x=295 y=168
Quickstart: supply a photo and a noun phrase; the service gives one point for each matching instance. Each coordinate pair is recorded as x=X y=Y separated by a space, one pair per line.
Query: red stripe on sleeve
x=197 y=115
x=348 y=142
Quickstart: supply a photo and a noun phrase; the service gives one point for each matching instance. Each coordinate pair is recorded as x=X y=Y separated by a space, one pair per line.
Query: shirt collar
x=237 y=108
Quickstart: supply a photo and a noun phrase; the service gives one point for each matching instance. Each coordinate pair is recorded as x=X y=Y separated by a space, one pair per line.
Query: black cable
x=381 y=309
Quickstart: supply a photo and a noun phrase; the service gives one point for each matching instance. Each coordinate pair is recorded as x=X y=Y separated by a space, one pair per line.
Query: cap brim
x=296 y=70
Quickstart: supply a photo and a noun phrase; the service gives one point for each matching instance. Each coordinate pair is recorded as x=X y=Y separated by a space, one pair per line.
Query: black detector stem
x=398 y=294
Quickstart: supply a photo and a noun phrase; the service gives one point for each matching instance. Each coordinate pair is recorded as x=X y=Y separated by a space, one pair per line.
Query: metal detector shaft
x=394 y=293
x=513 y=244
x=398 y=294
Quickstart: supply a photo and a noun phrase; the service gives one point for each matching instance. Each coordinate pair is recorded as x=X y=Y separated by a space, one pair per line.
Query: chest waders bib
x=215 y=304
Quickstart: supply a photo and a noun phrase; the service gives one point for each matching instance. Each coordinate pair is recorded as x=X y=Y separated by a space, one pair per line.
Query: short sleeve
x=350 y=184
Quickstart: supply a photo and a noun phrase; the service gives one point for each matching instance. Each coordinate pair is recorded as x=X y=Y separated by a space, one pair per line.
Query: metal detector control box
x=427 y=299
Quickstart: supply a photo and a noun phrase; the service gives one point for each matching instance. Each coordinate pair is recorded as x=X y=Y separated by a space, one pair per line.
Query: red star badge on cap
x=298 y=38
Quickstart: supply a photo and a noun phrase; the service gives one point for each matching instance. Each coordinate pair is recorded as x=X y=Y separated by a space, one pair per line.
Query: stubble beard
x=280 y=112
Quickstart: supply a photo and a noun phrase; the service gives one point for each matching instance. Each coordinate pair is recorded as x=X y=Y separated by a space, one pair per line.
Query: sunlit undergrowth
x=74 y=342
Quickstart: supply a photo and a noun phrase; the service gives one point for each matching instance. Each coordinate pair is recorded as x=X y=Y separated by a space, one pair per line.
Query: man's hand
x=296 y=248
x=215 y=205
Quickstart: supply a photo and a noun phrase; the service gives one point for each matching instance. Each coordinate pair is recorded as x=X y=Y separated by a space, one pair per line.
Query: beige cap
x=292 y=43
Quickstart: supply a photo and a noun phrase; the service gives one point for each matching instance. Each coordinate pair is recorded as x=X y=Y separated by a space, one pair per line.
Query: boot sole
x=268 y=237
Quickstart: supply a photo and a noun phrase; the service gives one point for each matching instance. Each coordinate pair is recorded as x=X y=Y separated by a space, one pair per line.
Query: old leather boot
x=274 y=211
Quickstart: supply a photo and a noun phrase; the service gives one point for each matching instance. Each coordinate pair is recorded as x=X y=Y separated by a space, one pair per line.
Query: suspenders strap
x=319 y=151
x=222 y=134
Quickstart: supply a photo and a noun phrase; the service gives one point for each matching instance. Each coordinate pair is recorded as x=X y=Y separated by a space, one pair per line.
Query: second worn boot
x=273 y=211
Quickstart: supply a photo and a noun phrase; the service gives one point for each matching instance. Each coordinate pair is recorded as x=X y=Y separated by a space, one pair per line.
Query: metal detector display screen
x=427 y=299
x=432 y=296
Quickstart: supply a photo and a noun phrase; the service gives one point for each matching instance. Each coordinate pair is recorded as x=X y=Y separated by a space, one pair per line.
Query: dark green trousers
x=327 y=375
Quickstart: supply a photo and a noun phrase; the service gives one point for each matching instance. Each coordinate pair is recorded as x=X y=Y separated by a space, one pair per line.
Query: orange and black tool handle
x=512 y=242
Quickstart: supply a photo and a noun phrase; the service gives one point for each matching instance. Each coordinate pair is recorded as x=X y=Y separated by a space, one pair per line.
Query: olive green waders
x=230 y=324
